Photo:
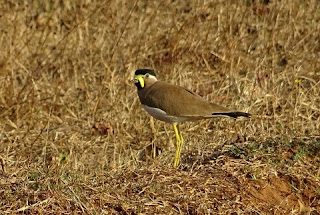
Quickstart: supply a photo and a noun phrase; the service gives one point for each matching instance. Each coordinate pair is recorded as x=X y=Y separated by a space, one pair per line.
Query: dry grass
x=74 y=138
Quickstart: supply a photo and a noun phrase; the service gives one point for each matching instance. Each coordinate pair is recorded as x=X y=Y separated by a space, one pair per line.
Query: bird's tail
x=233 y=114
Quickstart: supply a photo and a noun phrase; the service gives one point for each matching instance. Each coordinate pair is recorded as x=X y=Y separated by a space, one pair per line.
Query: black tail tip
x=234 y=114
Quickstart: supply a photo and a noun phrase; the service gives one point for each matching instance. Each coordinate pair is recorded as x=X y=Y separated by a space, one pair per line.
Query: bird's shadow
x=227 y=149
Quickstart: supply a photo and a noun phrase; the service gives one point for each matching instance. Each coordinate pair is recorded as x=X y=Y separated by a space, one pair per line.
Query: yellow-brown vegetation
x=74 y=139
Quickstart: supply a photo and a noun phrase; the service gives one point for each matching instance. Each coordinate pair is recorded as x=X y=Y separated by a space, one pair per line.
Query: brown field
x=74 y=139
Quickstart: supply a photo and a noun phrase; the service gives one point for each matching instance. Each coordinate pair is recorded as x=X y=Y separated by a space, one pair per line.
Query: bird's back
x=178 y=101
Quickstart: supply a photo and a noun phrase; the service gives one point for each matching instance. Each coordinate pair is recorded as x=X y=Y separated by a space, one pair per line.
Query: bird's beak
x=139 y=78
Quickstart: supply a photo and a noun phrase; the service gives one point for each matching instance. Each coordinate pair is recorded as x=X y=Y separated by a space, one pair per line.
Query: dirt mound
x=210 y=189
x=284 y=194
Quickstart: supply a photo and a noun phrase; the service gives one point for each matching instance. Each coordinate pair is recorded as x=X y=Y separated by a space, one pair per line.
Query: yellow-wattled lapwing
x=175 y=104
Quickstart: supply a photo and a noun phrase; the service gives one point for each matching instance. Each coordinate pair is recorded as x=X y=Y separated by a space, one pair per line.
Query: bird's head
x=144 y=78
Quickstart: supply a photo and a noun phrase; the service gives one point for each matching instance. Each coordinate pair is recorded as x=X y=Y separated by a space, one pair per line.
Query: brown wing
x=177 y=101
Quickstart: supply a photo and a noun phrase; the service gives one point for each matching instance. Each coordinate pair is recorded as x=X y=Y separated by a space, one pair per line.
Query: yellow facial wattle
x=140 y=78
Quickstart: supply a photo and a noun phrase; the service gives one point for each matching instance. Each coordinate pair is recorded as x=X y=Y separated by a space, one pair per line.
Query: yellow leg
x=178 y=145
x=181 y=141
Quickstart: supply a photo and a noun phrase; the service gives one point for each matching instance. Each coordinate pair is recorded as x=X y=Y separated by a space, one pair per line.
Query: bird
x=175 y=104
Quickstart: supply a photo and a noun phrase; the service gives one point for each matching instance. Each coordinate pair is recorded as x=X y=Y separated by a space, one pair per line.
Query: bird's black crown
x=144 y=71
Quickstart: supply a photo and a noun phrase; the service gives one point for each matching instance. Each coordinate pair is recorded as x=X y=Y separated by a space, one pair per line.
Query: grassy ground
x=74 y=138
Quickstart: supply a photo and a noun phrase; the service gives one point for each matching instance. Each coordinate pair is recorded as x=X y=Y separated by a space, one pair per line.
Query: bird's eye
x=147 y=75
